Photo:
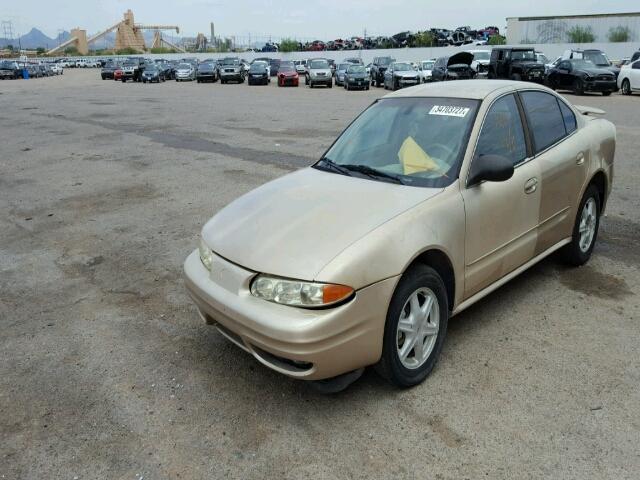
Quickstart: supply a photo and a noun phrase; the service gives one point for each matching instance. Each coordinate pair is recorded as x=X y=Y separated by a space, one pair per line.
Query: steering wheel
x=434 y=147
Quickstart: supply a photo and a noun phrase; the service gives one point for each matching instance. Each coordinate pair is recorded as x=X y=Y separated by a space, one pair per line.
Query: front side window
x=544 y=117
x=502 y=132
x=419 y=141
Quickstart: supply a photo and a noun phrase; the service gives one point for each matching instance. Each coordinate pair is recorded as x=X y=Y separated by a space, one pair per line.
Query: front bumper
x=600 y=86
x=231 y=75
x=358 y=82
x=288 y=81
x=301 y=343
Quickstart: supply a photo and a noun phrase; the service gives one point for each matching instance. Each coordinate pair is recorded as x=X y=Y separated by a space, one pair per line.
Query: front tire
x=626 y=87
x=585 y=229
x=578 y=87
x=415 y=328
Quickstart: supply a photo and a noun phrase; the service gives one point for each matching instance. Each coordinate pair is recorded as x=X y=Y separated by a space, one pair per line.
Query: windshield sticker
x=449 y=111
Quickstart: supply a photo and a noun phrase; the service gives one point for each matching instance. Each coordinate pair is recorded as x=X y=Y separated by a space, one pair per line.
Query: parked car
x=595 y=56
x=399 y=75
x=356 y=77
x=301 y=66
x=56 y=68
x=207 y=72
x=480 y=63
x=153 y=73
x=629 y=78
x=34 y=70
x=516 y=63
x=258 y=74
x=185 y=71
x=445 y=195
x=318 y=73
x=266 y=64
x=287 y=75
x=341 y=69
x=426 y=70
x=132 y=70
x=10 y=69
x=581 y=76
x=118 y=74
x=107 y=71
x=454 y=67
x=167 y=70
x=230 y=69
x=542 y=58
x=353 y=60
x=378 y=67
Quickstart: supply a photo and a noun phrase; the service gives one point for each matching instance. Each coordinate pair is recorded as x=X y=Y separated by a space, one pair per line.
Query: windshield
x=420 y=141
x=356 y=69
x=184 y=66
x=317 y=64
x=542 y=58
x=427 y=65
x=344 y=66
x=526 y=55
x=582 y=64
x=257 y=68
x=384 y=61
x=230 y=61
x=598 y=58
x=402 y=67
x=481 y=55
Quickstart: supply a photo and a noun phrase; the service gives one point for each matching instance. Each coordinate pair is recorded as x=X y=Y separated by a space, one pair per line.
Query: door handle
x=580 y=158
x=531 y=185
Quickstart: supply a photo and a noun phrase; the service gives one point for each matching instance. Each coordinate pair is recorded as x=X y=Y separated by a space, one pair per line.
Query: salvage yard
x=106 y=370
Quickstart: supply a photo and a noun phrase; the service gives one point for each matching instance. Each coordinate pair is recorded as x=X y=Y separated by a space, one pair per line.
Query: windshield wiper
x=334 y=166
x=372 y=172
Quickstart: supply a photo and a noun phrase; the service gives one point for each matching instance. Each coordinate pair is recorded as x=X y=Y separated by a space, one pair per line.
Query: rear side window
x=568 y=117
x=545 y=119
x=502 y=132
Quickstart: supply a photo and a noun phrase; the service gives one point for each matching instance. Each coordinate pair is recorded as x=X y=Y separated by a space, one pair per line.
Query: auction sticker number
x=449 y=111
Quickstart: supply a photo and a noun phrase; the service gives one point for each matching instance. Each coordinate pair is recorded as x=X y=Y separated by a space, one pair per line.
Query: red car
x=117 y=74
x=287 y=75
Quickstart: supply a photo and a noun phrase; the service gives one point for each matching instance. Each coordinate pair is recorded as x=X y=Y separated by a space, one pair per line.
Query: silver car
x=318 y=73
x=185 y=71
x=341 y=70
x=400 y=74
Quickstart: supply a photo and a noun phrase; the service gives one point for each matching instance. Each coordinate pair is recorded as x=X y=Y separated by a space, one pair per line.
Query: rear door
x=501 y=217
x=563 y=157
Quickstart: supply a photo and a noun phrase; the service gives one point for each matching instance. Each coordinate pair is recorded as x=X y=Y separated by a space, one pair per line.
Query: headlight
x=206 y=255
x=297 y=293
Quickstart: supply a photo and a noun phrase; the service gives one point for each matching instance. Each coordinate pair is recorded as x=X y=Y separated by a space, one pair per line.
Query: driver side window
x=502 y=132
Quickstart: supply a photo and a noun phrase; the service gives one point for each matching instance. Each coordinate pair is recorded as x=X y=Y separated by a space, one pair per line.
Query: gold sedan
x=432 y=198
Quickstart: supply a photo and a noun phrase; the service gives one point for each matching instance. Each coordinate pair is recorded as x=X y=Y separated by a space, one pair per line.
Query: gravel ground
x=106 y=371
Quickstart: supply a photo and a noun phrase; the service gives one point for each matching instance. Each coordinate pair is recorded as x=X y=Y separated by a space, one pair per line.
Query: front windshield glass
x=598 y=58
x=257 y=68
x=384 y=61
x=356 y=69
x=319 y=64
x=418 y=141
x=524 y=55
x=481 y=55
x=427 y=65
x=583 y=64
x=231 y=61
x=184 y=66
x=344 y=66
x=402 y=67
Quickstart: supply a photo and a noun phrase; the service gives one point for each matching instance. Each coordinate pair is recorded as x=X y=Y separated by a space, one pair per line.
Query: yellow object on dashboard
x=414 y=159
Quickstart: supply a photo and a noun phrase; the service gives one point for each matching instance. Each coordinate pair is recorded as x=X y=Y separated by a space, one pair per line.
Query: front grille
x=605 y=78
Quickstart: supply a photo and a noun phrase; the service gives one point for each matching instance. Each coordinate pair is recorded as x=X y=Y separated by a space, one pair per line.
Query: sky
x=325 y=20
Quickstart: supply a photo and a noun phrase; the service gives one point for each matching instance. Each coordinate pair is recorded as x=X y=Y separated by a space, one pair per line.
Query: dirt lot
x=106 y=371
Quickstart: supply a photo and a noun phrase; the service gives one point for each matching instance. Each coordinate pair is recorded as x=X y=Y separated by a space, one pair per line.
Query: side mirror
x=490 y=168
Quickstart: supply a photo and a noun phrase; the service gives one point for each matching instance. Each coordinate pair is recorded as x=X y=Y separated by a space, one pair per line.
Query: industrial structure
x=129 y=35
x=601 y=28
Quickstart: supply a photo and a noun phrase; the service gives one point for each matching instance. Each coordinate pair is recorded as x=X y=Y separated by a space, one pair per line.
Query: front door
x=501 y=217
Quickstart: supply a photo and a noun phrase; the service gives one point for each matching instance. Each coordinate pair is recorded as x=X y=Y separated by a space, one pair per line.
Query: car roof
x=476 y=89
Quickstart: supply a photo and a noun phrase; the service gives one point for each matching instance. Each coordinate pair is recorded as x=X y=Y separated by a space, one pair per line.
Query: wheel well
x=600 y=183
x=439 y=261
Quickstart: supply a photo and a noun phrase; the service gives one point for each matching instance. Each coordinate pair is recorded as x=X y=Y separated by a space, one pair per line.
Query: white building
x=603 y=27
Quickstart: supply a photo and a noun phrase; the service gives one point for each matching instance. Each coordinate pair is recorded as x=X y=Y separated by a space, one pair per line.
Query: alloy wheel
x=588 y=222
x=418 y=328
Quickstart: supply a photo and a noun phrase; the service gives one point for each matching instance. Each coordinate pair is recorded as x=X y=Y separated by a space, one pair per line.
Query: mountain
x=34 y=39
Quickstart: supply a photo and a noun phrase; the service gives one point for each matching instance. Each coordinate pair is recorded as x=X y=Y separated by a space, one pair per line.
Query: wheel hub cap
x=418 y=328
x=588 y=223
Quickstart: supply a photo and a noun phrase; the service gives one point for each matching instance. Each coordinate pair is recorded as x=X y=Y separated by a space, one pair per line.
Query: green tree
x=10 y=47
x=619 y=34
x=497 y=40
x=423 y=39
x=71 y=51
x=40 y=50
x=288 y=45
x=162 y=50
x=580 y=34
x=127 y=51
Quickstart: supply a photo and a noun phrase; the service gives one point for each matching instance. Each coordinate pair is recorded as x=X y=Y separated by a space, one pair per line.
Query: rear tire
x=583 y=239
x=405 y=364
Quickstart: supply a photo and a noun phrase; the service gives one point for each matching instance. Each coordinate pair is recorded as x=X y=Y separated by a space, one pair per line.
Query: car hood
x=594 y=71
x=460 y=58
x=530 y=65
x=410 y=73
x=295 y=225
x=357 y=75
